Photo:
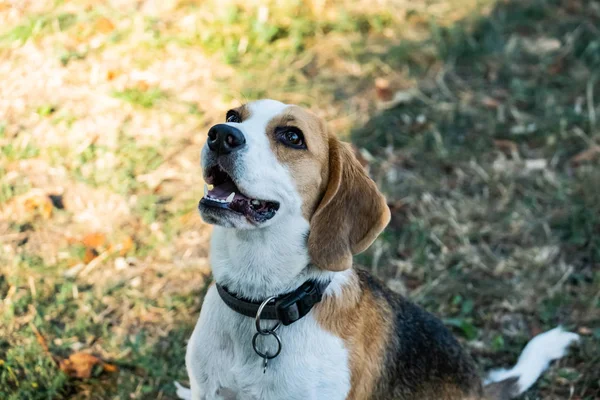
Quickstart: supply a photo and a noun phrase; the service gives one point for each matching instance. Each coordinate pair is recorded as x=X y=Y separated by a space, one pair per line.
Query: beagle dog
x=288 y=316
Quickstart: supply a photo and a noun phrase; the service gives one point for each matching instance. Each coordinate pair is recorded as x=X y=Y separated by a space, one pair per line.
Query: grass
x=144 y=98
x=490 y=166
x=37 y=25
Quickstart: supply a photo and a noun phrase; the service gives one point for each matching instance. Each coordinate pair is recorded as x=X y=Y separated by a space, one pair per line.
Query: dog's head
x=271 y=163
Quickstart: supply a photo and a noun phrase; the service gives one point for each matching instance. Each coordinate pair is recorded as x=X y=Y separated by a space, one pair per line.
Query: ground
x=479 y=119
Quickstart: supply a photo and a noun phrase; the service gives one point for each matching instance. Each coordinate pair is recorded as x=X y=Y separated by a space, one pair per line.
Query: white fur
x=255 y=168
x=313 y=363
x=536 y=357
x=258 y=262
x=183 y=393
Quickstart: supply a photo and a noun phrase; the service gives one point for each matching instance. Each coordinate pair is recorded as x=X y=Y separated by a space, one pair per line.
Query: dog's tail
x=183 y=393
x=505 y=384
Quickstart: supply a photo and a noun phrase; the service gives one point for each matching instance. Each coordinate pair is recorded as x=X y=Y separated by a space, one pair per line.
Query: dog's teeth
x=255 y=202
x=230 y=197
x=205 y=190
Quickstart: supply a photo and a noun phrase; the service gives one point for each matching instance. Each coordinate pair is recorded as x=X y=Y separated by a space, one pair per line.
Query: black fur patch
x=423 y=359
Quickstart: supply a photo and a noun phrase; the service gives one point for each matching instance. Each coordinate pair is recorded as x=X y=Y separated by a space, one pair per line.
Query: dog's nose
x=223 y=139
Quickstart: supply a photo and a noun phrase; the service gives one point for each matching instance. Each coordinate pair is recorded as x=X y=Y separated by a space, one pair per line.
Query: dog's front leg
x=196 y=390
x=193 y=393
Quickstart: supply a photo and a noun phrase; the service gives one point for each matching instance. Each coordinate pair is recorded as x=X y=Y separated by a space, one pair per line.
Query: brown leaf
x=112 y=74
x=40 y=203
x=584 y=330
x=590 y=154
x=383 y=89
x=42 y=341
x=94 y=240
x=574 y=6
x=126 y=245
x=110 y=367
x=535 y=329
x=104 y=25
x=506 y=146
x=557 y=67
x=490 y=102
x=89 y=255
x=122 y=247
x=142 y=86
x=79 y=365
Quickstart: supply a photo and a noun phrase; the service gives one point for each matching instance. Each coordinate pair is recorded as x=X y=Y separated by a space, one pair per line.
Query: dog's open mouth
x=226 y=195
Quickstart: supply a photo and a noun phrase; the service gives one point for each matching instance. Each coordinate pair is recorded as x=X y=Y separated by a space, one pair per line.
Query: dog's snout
x=224 y=139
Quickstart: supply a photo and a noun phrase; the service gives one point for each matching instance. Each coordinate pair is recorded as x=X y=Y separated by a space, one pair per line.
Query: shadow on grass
x=491 y=172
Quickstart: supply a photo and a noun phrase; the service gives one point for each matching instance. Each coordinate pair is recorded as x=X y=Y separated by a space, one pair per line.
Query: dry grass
x=489 y=166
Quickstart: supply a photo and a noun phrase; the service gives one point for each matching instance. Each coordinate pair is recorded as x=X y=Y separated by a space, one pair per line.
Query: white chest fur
x=221 y=362
x=313 y=364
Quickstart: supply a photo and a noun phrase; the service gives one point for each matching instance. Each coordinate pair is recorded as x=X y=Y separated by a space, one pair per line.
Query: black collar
x=287 y=308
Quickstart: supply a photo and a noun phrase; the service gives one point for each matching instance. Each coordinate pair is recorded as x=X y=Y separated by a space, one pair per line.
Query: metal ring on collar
x=257 y=320
x=266 y=355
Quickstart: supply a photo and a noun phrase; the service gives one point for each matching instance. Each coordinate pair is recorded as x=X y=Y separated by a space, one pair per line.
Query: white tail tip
x=183 y=393
x=535 y=358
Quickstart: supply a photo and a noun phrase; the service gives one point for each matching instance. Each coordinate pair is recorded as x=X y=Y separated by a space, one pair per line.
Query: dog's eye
x=291 y=136
x=232 y=116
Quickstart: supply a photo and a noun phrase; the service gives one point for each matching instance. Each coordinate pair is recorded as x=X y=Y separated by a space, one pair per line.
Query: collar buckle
x=287 y=308
x=292 y=307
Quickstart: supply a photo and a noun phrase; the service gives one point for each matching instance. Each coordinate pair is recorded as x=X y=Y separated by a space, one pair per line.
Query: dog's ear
x=351 y=214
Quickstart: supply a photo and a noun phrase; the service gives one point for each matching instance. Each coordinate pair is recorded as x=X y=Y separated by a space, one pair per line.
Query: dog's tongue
x=223 y=190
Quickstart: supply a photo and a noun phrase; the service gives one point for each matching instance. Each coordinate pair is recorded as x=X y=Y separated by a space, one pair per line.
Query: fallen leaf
x=557 y=67
x=143 y=86
x=127 y=245
x=122 y=247
x=383 y=89
x=104 y=25
x=574 y=6
x=536 y=329
x=94 y=240
x=41 y=340
x=79 y=365
x=38 y=202
x=584 y=330
x=587 y=155
x=110 y=367
x=490 y=102
x=506 y=146
x=399 y=97
x=112 y=74
x=89 y=255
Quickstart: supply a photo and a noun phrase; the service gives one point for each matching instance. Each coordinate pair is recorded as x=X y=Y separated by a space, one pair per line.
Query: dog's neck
x=264 y=262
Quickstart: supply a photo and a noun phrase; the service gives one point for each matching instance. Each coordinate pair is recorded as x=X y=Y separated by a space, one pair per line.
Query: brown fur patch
x=351 y=215
x=309 y=167
x=363 y=323
x=243 y=111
